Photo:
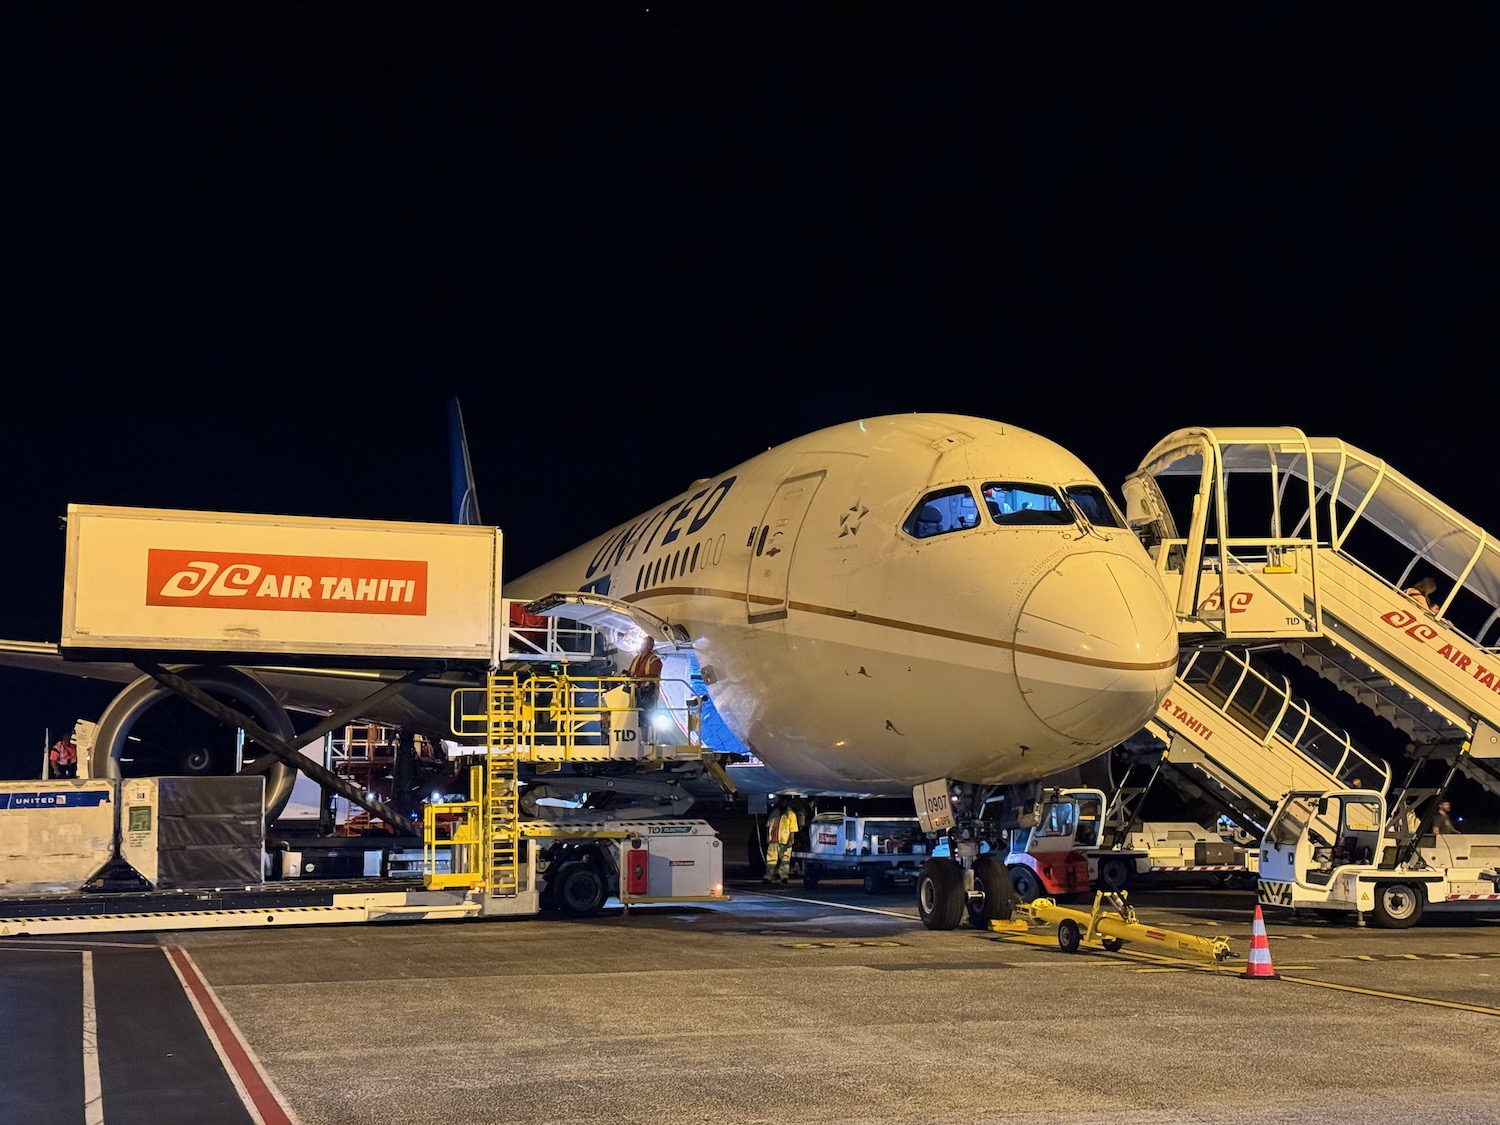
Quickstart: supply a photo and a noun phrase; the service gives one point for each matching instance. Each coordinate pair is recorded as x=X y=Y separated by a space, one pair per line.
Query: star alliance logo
x=849 y=521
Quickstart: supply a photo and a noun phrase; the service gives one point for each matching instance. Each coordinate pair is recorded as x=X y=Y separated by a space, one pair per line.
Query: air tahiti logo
x=303 y=583
x=1466 y=660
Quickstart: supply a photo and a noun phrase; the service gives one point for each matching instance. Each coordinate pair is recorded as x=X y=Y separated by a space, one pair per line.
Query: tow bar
x=1110 y=924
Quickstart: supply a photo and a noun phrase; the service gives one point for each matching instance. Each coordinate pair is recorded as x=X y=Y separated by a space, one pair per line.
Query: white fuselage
x=851 y=656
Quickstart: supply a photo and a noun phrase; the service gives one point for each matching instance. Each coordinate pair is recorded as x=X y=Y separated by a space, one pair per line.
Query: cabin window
x=937 y=513
x=1011 y=503
x=1095 y=505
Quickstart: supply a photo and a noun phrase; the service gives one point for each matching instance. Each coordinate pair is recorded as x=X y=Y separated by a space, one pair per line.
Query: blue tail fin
x=465 y=501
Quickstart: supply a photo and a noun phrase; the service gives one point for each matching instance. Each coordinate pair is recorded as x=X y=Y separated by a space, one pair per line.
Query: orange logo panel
x=300 y=583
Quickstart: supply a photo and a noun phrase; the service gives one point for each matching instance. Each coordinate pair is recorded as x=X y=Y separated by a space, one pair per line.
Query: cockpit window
x=1095 y=505
x=950 y=509
x=1011 y=503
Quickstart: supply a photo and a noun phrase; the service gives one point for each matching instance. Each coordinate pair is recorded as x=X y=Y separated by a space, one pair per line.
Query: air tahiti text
x=622 y=544
x=302 y=583
x=1467 y=660
x=1183 y=717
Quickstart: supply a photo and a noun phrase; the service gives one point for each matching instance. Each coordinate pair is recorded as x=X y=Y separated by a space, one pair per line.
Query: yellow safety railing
x=545 y=720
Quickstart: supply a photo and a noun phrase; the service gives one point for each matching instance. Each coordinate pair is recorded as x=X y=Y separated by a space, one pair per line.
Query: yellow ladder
x=509 y=720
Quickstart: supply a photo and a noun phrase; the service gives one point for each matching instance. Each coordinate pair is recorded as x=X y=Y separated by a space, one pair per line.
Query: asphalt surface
x=782 y=1006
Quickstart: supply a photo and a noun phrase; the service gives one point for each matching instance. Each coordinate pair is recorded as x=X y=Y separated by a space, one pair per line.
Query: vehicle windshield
x=1289 y=826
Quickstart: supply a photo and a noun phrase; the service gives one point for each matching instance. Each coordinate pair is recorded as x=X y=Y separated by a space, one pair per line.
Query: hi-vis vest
x=646 y=665
x=783 y=827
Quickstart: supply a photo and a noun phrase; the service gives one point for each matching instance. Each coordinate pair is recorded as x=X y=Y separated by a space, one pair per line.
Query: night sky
x=253 y=249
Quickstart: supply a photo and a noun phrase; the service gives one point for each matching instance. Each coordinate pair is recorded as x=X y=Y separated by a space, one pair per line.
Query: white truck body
x=162 y=581
x=1334 y=850
x=885 y=851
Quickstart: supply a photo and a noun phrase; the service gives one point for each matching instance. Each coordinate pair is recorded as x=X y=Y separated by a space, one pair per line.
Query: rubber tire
x=1403 y=912
x=875 y=883
x=1113 y=944
x=1069 y=936
x=992 y=880
x=1115 y=873
x=581 y=889
x=811 y=873
x=1027 y=886
x=940 y=893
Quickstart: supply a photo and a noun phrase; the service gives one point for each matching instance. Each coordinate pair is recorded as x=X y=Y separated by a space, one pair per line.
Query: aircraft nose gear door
x=771 y=561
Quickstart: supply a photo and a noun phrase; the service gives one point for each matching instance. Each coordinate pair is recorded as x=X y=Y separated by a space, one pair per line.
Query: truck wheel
x=1027 y=886
x=940 y=893
x=811 y=873
x=1397 y=905
x=995 y=897
x=874 y=883
x=581 y=890
x=1115 y=872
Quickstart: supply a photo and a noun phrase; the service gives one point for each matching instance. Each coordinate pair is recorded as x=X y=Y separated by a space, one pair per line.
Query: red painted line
x=236 y=1055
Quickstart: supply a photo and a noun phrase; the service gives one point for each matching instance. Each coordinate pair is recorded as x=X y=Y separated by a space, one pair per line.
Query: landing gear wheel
x=874 y=883
x=996 y=898
x=581 y=890
x=1069 y=936
x=1113 y=944
x=1114 y=873
x=940 y=893
x=811 y=873
x=1397 y=906
x=1024 y=881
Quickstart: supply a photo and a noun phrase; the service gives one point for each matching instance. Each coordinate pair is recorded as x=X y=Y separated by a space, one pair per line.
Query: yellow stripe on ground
x=1452 y=1005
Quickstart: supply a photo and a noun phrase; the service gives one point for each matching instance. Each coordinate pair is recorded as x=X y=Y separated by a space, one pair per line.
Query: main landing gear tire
x=940 y=893
x=1397 y=905
x=1025 y=883
x=995 y=897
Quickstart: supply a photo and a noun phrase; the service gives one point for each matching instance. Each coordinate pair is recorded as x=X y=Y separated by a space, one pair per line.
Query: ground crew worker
x=781 y=833
x=63 y=758
x=1442 y=820
x=645 y=675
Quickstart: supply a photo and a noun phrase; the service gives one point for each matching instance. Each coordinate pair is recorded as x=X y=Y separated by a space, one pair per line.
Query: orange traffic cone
x=1259 y=964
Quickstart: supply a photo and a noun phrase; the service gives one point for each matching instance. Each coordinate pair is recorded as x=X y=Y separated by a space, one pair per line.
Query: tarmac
x=782 y=1005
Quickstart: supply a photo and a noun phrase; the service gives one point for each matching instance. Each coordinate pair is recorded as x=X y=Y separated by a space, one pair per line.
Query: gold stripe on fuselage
x=891 y=623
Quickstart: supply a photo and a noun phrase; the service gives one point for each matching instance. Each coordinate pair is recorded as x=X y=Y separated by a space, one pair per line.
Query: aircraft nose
x=1096 y=647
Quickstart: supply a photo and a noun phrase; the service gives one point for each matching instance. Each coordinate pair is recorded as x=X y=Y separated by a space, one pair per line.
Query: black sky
x=252 y=249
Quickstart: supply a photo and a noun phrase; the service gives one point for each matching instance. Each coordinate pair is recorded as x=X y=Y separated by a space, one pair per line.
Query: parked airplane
x=923 y=600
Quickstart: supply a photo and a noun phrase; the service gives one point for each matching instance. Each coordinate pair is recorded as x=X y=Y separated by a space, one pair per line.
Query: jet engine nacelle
x=158 y=731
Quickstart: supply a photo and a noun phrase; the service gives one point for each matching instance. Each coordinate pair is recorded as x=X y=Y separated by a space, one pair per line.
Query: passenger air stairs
x=1234 y=733
x=1266 y=537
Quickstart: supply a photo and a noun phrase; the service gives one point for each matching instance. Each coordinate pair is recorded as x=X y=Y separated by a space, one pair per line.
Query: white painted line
x=93 y=1091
